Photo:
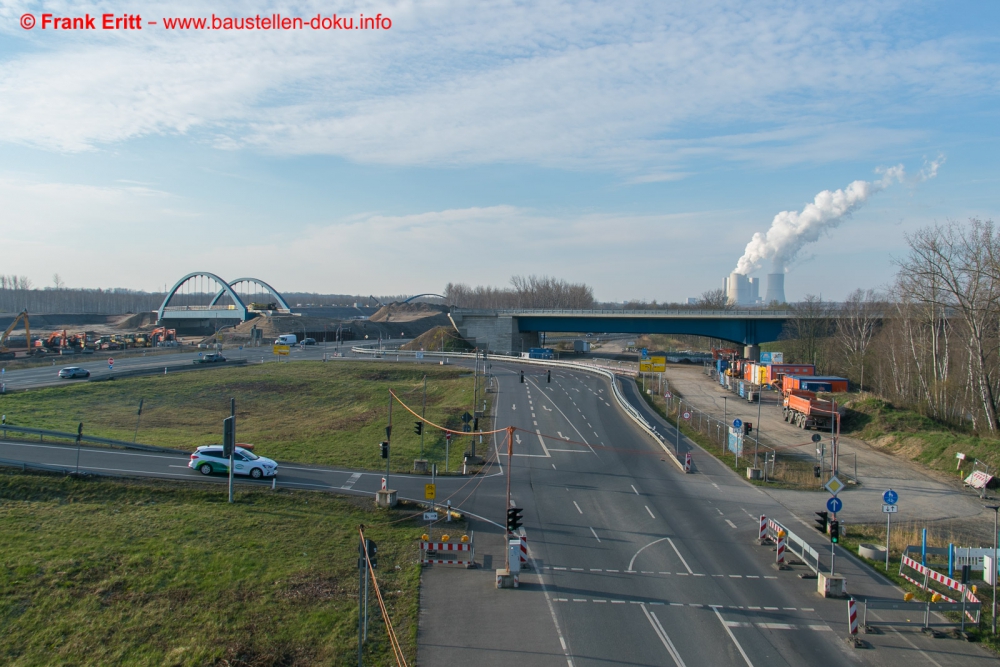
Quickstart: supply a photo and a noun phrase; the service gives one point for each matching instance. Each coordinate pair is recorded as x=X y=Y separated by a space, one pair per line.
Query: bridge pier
x=751 y=352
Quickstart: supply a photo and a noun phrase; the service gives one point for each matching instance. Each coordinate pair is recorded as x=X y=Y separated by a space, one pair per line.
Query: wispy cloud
x=638 y=87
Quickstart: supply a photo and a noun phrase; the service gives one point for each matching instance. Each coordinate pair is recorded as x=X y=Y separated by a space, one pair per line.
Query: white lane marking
x=686 y=566
x=351 y=481
x=650 y=512
x=562 y=642
x=636 y=555
x=577 y=507
x=583 y=439
x=715 y=485
x=634 y=489
x=731 y=523
x=732 y=636
x=532 y=415
x=553 y=466
x=513 y=406
x=719 y=511
x=662 y=634
x=595 y=534
x=595 y=433
x=535 y=423
x=542 y=440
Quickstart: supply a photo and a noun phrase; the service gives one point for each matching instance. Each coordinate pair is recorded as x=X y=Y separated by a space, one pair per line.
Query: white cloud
x=583 y=85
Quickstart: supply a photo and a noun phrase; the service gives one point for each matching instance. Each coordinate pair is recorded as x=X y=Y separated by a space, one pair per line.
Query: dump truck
x=803 y=409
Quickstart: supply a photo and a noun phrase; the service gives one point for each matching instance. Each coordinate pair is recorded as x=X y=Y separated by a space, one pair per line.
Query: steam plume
x=791 y=230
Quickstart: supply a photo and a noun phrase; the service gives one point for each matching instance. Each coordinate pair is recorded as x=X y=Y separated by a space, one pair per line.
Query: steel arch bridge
x=282 y=304
x=197 y=286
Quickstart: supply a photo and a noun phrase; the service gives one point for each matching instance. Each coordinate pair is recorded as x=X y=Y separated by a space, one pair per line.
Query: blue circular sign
x=834 y=504
x=737 y=423
x=890 y=497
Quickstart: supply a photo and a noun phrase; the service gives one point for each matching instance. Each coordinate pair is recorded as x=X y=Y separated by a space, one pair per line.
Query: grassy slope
x=908 y=434
x=150 y=573
x=311 y=412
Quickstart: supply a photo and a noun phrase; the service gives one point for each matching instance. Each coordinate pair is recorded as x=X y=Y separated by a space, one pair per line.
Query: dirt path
x=925 y=495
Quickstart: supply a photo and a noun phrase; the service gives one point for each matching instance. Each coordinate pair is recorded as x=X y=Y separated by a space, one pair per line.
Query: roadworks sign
x=282 y=349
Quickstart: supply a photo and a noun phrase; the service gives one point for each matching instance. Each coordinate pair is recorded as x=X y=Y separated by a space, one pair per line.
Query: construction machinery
x=803 y=409
x=162 y=335
x=5 y=352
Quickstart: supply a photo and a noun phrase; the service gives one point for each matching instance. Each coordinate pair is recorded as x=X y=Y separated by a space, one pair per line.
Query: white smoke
x=791 y=230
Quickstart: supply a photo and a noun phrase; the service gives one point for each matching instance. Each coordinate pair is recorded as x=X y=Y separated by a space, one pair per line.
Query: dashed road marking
x=733 y=525
x=650 y=512
x=577 y=507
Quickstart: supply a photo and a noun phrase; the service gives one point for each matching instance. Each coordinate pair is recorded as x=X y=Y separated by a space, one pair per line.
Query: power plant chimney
x=775 y=288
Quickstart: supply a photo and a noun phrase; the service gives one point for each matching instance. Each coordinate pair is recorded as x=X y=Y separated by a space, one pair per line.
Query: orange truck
x=803 y=409
x=813 y=383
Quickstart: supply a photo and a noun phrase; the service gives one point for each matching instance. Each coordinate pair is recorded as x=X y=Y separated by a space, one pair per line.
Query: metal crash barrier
x=792 y=542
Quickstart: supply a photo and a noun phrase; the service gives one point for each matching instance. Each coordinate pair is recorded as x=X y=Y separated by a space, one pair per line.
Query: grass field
x=331 y=413
x=101 y=572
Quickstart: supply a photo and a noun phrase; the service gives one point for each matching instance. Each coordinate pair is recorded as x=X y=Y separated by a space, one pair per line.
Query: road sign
x=890 y=509
x=466 y=418
x=890 y=497
x=834 y=486
x=282 y=350
x=466 y=428
x=686 y=415
x=817 y=437
x=111 y=362
x=430 y=516
x=737 y=423
x=419 y=355
x=834 y=504
x=430 y=491
x=645 y=353
x=667 y=394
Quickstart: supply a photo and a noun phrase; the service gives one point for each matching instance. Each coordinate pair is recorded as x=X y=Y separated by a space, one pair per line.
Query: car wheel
x=256 y=473
x=205 y=469
x=87 y=375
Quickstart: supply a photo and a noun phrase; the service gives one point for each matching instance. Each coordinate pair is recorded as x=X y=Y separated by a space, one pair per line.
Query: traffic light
x=822 y=521
x=816 y=471
x=418 y=428
x=965 y=573
x=513 y=519
x=385 y=449
x=79 y=433
x=548 y=376
x=372 y=553
x=522 y=377
x=228 y=436
x=835 y=531
x=747 y=428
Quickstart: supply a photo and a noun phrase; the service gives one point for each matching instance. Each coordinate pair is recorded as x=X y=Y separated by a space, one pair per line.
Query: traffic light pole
x=423 y=416
x=388 y=440
x=510 y=457
x=232 y=451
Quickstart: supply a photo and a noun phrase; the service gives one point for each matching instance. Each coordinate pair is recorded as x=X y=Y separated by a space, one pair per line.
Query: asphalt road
x=641 y=564
x=635 y=563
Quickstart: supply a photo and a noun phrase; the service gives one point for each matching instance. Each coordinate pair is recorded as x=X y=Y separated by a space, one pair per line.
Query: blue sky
x=634 y=146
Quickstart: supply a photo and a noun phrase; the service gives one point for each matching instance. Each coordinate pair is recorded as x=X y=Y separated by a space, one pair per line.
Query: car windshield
x=250 y=455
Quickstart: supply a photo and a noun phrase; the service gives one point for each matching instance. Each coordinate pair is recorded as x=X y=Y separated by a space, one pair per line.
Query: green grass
x=331 y=413
x=100 y=572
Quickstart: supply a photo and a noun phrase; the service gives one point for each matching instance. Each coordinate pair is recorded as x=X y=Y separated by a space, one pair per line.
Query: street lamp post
x=996 y=513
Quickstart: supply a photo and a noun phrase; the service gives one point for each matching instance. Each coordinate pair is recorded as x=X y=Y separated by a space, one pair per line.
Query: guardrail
x=629 y=409
x=911 y=609
x=62 y=435
x=794 y=544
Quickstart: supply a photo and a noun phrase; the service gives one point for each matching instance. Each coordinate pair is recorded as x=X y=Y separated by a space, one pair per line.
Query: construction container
x=775 y=372
x=814 y=383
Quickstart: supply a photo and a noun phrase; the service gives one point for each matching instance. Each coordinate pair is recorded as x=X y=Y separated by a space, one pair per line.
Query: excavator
x=162 y=335
x=5 y=352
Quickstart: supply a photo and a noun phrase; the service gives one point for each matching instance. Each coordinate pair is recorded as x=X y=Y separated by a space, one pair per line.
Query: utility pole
x=139 y=416
x=388 y=440
x=362 y=555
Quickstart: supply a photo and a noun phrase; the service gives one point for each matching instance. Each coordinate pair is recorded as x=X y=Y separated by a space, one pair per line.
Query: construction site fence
x=974 y=557
x=912 y=610
x=946 y=587
x=717 y=431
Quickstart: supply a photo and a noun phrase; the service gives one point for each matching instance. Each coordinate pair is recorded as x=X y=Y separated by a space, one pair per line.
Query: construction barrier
x=970 y=603
x=779 y=554
x=523 y=553
x=793 y=543
x=763 y=529
x=911 y=610
x=687 y=462
x=852 y=616
x=431 y=549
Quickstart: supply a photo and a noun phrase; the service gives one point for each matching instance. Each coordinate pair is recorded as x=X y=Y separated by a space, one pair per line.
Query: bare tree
x=857 y=321
x=715 y=299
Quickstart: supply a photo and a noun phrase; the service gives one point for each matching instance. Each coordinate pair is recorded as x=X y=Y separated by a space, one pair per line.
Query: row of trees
x=931 y=340
x=524 y=292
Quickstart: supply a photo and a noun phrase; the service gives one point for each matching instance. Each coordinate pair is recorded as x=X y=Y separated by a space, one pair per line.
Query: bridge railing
x=776 y=314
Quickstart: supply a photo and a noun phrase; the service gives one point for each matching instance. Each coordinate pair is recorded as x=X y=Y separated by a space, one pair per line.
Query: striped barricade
x=431 y=550
x=779 y=552
x=524 y=551
x=966 y=597
x=852 y=616
x=763 y=529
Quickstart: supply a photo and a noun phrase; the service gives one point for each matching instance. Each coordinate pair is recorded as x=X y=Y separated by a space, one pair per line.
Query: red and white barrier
x=687 y=462
x=434 y=547
x=779 y=554
x=933 y=575
x=852 y=616
x=763 y=529
x=383 y=483
x=524 y=550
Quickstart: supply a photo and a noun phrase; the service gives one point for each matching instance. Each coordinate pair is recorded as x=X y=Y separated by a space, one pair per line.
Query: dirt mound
x=408 y=312
x=439 y=339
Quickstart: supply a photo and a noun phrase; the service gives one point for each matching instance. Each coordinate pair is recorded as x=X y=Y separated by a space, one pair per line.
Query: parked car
x=308 y=341
x=71 y=372
x=210 y=358
x=208 y=459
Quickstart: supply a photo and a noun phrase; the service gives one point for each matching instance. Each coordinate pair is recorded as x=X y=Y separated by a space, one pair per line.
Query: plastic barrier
x=911 y=610
x=429 y=549
x=793 y=543
x=779 y=553
x=965 y=595
x=687 y=462
x=763 y=529
x=852 y=616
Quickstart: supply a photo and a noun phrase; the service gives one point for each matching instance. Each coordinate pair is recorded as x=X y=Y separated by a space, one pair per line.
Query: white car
x=208 y=459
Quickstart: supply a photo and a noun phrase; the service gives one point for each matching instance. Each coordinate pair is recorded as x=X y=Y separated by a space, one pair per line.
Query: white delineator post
x=687 y=462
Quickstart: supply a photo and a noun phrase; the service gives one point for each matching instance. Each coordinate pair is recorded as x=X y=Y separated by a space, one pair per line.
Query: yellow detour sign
x=430 y=491
x=653 y=365
x=281 y=349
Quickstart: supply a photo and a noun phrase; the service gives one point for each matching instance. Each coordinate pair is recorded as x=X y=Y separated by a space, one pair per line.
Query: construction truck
x=5 y=352
x=803 y=409
x=162 y=335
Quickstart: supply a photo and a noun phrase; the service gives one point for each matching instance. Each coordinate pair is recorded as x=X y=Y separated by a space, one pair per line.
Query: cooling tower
x=775 y=288
x=738 y=289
